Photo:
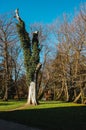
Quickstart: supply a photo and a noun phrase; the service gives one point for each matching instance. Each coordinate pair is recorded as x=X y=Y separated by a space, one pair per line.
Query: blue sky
x=44 y=11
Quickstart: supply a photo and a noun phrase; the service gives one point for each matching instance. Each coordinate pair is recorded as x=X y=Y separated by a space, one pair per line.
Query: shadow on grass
x=60 y=118
x=4 y=103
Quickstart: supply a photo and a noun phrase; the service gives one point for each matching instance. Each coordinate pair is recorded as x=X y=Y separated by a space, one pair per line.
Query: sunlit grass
x=9 y=105
x=12 y=105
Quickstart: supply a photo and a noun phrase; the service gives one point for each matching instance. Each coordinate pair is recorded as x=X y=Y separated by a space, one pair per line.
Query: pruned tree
x=31 y=51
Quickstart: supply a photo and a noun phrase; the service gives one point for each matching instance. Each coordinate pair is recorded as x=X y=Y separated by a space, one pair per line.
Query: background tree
x=9 y=54
x=69 y=66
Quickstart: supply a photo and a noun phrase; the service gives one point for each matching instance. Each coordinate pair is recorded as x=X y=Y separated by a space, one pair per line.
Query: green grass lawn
x=9 y=105
x=51 y=115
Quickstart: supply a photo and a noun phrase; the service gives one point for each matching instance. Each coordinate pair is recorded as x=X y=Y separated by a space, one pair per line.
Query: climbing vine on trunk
x=31 y=51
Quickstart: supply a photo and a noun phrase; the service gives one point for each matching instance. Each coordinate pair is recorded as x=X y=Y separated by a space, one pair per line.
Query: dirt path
x=7 y=125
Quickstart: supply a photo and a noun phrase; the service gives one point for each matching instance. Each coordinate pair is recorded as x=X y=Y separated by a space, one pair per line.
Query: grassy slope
x=48 y=115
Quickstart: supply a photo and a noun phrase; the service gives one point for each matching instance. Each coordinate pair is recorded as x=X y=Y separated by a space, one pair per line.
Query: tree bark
x=32 y=94
x=5 y=98
x=77 y=98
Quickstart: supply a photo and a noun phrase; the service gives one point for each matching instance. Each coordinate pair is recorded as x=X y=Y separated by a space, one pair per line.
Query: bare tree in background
x=69 y=67
x=9 y=52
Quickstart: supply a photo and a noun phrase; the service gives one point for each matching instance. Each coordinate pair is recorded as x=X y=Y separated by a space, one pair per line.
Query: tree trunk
x=82 y=95
x=6 y=70
x=32 y=94
x=66 y=92
x=6 y=94
x=77 y=98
